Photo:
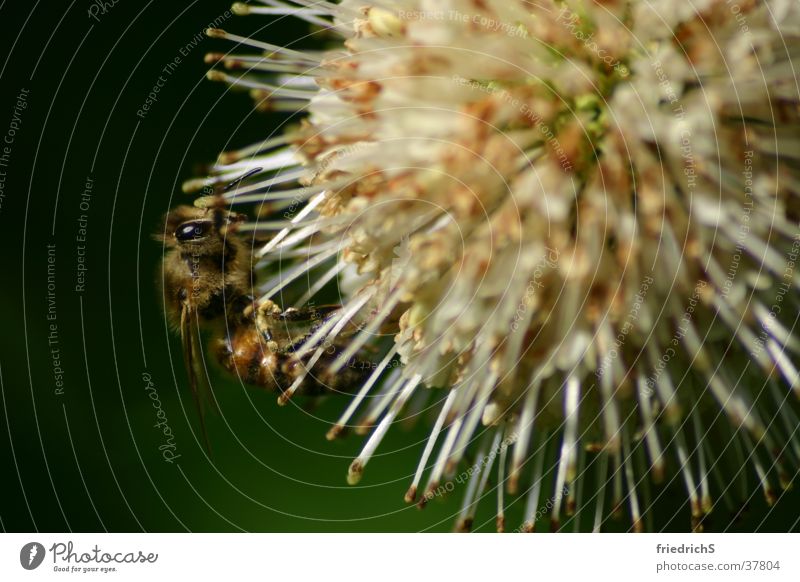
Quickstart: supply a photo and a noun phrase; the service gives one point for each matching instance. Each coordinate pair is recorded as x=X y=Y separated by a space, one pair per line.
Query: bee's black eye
x=193 y=230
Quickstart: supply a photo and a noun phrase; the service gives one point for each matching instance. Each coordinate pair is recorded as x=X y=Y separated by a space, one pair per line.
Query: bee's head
x=198 y=230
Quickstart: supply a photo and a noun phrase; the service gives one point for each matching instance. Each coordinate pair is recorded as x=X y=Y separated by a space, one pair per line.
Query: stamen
x=631 y=481
x=616 y=491
x=282 y=159
x=765 y=255
x=307 y=209
x=299 y=194
x=650 y=432
x=333 y=9
x=790 y=421
x=686 y=470
x=272 y=48
x=611 y=422
x=775 y=328
x=700 y=436
x=647 y=503
x=197 y=184
x=305 y=14
x=242 y=9
x=438 y=468
x=663 y=385
x=743 y=333
x=575 y=495
x=381 y=402
x=500 y=520
x=763 y=478
x=271 y=90
x=279 y=224
x=532 y=501
x=785 y=365
x=367 y=333
x=261 y=63
x=476 y=486
x=268 y=103
x=411 y=494
x=343 y=319
x=524 y=431
x=306 y=252
x=340 y=425
x=473 y=418
x=227 y=158
x=566 y=463
x=319 y=283
x=343 y=315
x=357 y=466
x=601 y=491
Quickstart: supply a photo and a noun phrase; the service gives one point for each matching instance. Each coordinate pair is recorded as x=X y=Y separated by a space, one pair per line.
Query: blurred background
x=85 y=346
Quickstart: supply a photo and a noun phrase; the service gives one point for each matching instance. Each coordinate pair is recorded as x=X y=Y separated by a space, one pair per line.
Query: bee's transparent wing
x=195 y=370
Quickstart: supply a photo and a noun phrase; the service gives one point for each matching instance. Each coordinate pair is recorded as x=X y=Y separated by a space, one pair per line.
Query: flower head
x=574 y=222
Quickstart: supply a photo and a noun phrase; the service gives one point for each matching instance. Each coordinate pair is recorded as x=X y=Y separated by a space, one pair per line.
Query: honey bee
x=207 y=276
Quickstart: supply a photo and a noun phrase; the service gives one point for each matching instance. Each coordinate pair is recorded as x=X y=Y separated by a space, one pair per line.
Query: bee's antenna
x=217 y=202
x=241 y=178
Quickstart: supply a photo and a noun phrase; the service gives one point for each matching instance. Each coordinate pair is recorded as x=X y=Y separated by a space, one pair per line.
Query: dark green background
x=88 y=460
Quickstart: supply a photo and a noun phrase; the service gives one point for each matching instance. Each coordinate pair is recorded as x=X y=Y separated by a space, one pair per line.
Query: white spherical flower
x=574 y=223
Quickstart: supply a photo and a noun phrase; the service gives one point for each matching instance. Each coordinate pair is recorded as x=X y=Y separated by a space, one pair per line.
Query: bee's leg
x=256 y=357
x=266 y=312
x=314 y=313
x=308 y=318
x=246 y=355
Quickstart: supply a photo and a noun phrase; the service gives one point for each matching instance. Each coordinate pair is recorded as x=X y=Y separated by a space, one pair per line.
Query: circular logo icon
x=31 y=555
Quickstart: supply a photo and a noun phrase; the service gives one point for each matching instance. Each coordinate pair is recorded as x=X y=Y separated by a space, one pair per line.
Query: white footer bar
x=400 y=557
